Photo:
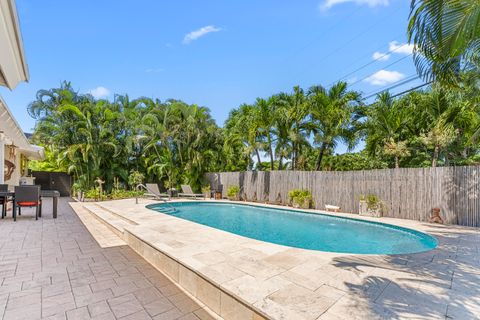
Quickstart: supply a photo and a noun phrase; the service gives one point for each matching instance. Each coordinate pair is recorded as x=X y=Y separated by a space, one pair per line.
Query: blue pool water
x=301 y=229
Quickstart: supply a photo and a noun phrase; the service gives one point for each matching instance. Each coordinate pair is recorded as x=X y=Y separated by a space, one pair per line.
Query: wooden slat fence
x=407 y=193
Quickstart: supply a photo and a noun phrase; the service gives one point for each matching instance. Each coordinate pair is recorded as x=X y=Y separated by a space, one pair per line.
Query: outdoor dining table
x=54 y=194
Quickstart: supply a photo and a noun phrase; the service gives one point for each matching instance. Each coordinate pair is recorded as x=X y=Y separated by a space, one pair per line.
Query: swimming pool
x=301 y=229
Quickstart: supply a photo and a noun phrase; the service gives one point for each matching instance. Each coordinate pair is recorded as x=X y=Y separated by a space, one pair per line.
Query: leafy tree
x=332 y=111
x=385 y=128
x=446 y=35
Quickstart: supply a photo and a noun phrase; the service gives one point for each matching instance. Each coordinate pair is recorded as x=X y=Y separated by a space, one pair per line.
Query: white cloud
x=402 y=48
x=154 y=70
x=327 y=4
x=99 y=92
x=380 y=56
x=384 y=77
x=194 y=35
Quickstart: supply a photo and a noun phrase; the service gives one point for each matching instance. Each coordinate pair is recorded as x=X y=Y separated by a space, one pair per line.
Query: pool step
x=167 y=210
x=99 y=230
x=113 y=221
x=122 y=217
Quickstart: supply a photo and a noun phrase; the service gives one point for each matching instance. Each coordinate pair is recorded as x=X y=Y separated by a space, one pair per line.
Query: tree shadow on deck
x=440 y=283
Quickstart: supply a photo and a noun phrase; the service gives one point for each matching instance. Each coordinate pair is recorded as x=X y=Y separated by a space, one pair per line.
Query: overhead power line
x=402 y=92
x=393 y=86
x=389 y=65
x=412 y=89
x=324 y=33
x=358 y=35
x=369 y=63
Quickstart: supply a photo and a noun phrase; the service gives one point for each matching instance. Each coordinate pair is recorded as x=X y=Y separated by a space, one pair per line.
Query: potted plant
x=232 y=192
x=300 y=198
x=362 y=205
x=206 y=191
x=372 y=206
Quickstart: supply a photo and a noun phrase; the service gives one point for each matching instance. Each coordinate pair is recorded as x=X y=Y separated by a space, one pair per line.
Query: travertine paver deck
x=54 y=269
x=290 y=283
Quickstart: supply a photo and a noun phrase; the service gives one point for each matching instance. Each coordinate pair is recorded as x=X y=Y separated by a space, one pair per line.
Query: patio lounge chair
x=29 y=197
x=153 y=191
x=187 y=192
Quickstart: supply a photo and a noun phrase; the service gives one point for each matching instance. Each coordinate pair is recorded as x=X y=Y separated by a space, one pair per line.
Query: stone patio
x=250 y=279
x=55 y=269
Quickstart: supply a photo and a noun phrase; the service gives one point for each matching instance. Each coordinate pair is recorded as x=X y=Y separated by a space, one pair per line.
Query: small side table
x=218 y=195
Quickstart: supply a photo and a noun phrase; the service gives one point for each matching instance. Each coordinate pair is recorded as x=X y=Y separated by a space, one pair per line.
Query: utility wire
x=389 y=65
x=325 y=32
x=356 y=36
x=402 y=92
x=369 y=63
x=393 y=86
x=412 y=89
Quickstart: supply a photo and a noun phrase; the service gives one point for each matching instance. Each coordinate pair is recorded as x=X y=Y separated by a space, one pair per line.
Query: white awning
x=13 y=66
x=12 y=134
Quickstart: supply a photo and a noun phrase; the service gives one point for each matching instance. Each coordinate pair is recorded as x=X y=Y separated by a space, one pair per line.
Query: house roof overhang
x=12 y=134
x=13 y=66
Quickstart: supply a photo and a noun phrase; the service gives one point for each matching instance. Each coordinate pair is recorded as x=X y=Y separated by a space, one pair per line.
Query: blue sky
x=215 y=53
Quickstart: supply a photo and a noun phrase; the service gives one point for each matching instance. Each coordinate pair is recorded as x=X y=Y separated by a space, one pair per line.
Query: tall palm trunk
x=436 y=152
x=259 y=162
x=320 y=156
x=270 y=150
x=280 y=163
x=294 y=148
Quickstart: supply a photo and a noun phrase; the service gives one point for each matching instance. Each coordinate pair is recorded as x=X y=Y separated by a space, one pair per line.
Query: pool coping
x=177 y=239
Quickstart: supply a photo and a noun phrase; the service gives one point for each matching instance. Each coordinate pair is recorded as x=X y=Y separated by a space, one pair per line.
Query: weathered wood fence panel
x=407 y=193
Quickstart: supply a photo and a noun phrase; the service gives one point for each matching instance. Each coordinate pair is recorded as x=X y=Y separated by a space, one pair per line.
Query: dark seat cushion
x=28 y=203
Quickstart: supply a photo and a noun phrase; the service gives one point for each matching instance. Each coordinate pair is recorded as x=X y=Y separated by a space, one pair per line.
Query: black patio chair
x=4 y=200
x=27 y=197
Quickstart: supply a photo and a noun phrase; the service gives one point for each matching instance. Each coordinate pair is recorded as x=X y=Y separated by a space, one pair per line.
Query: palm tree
x=446 y=36
x=243 y=124
x=385 y=128
x=331 y=113
x=293 y=114
x=442 y=117
x=265 y=117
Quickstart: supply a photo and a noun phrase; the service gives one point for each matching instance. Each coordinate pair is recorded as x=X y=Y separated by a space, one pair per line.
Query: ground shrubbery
x=116 y=194
x=300 y=198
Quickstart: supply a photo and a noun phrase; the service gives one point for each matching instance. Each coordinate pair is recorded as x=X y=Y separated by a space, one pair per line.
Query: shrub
x=135 y=178
x=206 y=189
x=116 y=194
x=300 y=198
x=125 y=194
x=93 y=193
x=373 y=202
x=233 y=191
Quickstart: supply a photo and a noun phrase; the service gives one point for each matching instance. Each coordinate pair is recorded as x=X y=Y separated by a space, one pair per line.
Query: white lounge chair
x=188 y=192
x=154 y=192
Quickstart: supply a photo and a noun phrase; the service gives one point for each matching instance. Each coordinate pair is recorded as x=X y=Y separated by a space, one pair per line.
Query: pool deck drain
x=242 y=278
